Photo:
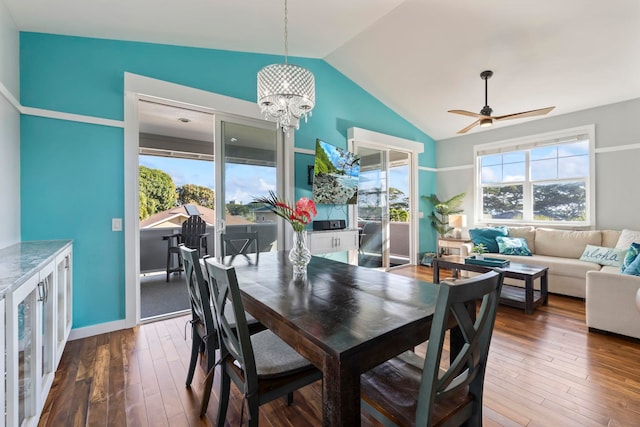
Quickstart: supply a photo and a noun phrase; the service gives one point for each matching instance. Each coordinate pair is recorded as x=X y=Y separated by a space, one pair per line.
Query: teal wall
x=72 y=173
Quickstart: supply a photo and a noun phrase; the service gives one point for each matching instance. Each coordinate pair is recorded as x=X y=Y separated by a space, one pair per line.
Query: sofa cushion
x=603 y=256
x=634 y=268
x=632 y=254
x=627 y=237
x=610 y=238
x=527 y=233
x=513 y=246
x=559 y=266
x=487 y=236
x=565 y=243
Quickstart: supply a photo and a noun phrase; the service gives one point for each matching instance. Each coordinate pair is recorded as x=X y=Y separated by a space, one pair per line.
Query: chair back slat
x=234 y=335
x=468 y=367
x=198 y=290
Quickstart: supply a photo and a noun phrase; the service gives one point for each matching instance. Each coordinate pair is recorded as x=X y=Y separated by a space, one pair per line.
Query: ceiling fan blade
x=466 y=113
x=471 y=126
x=524 y=114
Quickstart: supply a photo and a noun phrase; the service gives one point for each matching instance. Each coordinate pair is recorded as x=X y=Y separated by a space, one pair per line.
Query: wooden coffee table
x=527 y=297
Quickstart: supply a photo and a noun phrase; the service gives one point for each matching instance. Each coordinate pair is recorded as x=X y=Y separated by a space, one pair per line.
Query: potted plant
x=479 y=250
x=441 y=210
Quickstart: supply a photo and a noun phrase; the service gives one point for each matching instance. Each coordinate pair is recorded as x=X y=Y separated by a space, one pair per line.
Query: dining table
x=343 y=318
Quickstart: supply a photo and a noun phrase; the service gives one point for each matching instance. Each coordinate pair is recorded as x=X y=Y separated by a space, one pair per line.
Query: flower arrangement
x=298 y=215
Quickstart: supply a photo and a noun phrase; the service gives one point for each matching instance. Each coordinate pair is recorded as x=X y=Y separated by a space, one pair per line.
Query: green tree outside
x=157 y=192
x=198 y=194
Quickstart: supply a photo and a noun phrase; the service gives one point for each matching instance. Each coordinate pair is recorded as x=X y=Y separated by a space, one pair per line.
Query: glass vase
x=299 y=254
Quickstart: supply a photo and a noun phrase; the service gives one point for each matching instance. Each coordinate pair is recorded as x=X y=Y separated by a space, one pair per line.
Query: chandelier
x=285 y=91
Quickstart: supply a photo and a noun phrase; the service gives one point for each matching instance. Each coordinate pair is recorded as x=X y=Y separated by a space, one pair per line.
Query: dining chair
x=411 y=391
x=262 y=366
x=234 y=244
x=204 y=337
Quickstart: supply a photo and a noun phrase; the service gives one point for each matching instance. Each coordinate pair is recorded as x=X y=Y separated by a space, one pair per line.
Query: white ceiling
x=419 y=57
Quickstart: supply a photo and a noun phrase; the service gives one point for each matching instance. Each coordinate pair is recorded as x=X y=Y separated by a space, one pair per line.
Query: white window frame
x=526 y=143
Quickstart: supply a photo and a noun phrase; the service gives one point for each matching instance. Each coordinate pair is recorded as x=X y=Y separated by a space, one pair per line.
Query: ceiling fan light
x=485 y=123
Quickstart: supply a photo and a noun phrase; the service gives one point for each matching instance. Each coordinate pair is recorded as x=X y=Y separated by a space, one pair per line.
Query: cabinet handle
x=41 y=291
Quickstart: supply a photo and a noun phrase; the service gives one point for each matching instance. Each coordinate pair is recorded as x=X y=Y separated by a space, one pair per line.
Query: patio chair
x=194 y=235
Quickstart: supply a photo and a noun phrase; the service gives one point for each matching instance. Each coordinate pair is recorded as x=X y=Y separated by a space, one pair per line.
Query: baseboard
x=102 y=328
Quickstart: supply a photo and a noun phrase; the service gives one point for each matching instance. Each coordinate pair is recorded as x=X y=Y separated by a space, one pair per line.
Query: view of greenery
x=157 y=192
x=557 y=202
x=198 y=194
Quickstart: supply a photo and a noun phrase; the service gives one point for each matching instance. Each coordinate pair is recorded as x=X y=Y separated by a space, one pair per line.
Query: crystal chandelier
x=285 y=91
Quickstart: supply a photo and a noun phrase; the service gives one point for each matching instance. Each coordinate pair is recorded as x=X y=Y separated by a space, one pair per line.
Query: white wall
x=9 y=129
x=617 y=159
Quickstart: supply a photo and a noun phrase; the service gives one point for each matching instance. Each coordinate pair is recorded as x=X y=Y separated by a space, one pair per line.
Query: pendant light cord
x=286 y=34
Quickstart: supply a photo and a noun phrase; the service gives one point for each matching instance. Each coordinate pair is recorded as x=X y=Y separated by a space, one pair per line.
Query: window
x=545 y=179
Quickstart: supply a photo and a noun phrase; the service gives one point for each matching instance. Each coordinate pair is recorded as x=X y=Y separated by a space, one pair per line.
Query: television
x=335 y=176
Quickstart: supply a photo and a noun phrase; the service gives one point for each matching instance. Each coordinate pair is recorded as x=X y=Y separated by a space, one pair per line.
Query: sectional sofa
x=610 y=296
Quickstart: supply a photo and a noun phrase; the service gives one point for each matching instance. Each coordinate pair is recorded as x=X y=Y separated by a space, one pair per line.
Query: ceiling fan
x=485 y=119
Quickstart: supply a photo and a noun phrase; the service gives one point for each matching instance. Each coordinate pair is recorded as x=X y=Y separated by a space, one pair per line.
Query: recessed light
x=184 y=120
x=234 y=140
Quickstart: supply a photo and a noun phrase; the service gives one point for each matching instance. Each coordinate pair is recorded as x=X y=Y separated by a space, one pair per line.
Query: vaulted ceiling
x=419 y=57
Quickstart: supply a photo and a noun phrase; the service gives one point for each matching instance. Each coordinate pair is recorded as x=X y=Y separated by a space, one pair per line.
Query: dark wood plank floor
x=544 y=369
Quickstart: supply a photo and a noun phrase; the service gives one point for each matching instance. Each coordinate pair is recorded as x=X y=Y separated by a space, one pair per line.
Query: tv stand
x=322 y=242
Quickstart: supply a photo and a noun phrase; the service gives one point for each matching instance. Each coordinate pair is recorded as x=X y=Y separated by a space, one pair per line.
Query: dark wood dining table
x=343 y=318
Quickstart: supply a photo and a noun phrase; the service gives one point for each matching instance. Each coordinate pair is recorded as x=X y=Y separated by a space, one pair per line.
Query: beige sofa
x=610 y=296
x=559 y=250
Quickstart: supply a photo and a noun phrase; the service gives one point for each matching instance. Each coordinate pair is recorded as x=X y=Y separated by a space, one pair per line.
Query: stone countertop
x=18 y=262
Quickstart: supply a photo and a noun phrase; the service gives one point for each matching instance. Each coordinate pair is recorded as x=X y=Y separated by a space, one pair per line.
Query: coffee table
x=527 y=297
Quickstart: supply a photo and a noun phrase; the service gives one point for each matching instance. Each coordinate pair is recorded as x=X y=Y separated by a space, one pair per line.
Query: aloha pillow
x=603 y=256
x=487 y=236
x=513 y=246
x=634 y=268
x=632 y=254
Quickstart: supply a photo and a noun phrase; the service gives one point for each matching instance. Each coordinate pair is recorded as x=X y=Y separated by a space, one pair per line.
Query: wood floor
x=544 y=369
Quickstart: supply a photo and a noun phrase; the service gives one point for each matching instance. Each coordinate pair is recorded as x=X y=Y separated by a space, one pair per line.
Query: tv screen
x=335 y=177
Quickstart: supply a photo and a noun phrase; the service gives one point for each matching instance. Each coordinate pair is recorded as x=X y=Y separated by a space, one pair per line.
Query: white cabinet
x=24 y=349
x=64 y=287
x=37 y=324
x=322 y=242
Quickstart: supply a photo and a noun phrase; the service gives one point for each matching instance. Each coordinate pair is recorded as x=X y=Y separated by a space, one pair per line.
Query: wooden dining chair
x=204 y=336
x=234 y=244
x=411 y=391
x=262 y=366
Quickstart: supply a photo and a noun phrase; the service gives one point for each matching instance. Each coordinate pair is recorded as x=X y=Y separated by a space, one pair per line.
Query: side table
x=449 y=243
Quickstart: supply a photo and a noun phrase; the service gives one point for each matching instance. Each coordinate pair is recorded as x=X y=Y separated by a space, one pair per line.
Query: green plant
x=441 y=211
x=479 y=249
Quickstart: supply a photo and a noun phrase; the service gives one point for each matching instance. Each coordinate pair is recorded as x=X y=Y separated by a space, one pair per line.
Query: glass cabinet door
x=63 y=301
x=46 y=315
x=23 y=335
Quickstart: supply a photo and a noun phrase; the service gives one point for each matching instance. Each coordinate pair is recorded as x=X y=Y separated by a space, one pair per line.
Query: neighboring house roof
x=179 y=214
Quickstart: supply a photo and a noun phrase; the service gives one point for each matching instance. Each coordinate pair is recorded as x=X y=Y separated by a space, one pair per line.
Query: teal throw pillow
x=634 y=268
x=632 y=253
x=487 y=236
x=513 y=246
x=603 y=256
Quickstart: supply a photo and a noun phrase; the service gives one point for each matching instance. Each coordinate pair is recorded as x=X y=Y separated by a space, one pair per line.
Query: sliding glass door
x=383 y=210
x=248 y=153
